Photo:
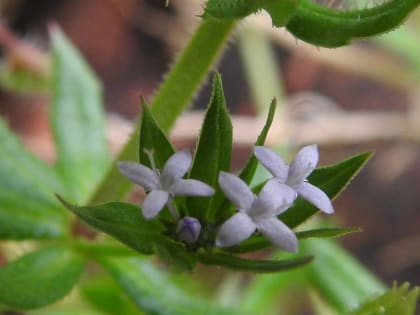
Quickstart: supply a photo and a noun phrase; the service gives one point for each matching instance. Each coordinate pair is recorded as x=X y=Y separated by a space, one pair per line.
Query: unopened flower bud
x=188 y=229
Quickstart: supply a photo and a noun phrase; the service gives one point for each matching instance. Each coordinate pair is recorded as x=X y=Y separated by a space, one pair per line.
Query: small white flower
x=295 y=175
x=256 y=213
x=162 y=187
x=188 y=229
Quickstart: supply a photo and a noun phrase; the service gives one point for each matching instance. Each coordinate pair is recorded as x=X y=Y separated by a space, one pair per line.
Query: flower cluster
x=254 y=213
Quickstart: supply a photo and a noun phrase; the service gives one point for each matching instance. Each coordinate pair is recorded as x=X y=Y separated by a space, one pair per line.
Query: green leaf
x=265 y=292
x=122 y=221
x=175 y=255
x=213 y=152
x=247 y=173
x=332 y=180
x=256 y=243
x=39 y=278
x=330 y=27
x=396 y=301
x=28 y=208
x=326 y=232
x=341 y=279
x=104 y=294
x=174 y=95
x=77 y=120
x=155 y=293
x=153 y=138
x=252 y=265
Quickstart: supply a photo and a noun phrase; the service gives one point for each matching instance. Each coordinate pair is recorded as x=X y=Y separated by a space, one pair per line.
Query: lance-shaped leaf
x=152 y=138
x=155 y=293
x=77 y=120
x=332 y=180
x=213 y=152
x=28 y=209
x=247 y=173
x=226 y=208
x=252 y=265
x=122 y=221
x=39 y=278
x=256 y=243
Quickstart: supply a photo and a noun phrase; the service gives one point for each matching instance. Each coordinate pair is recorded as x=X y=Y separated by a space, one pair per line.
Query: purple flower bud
x=188 y=229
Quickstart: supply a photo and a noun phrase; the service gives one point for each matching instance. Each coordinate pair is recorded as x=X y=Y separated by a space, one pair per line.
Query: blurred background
x=364 y=97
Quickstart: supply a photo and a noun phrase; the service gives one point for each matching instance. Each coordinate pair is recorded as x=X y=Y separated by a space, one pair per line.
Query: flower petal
x=190 y=187
x=236 y=191
x=315 y=196
x=176 y=166
x=273 y=199
x=139 y=174
x=238 y=228
x=154 y=202
x=272 y=162
x=302 y=165
x=278 y=233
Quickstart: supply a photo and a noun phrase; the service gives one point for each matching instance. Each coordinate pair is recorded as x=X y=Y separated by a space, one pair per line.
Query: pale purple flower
x=162 y=187
x=188 y=229
x=295 y=175
x=256 y=213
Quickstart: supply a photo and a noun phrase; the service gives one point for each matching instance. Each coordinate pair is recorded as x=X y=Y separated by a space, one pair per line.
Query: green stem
x=261 y=68
x=173 y=96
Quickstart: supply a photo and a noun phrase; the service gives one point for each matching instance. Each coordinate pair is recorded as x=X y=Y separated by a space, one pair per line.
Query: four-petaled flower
x=162 y=187
x=295 y=175
x=256 y=213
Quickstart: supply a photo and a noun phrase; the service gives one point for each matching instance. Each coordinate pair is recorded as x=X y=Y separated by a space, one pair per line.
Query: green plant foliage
x=174 y=95
x=105 y=295
x=247 y=173
x=175 y=255
x=343 y=281
x=28 y=209
x=280 y=11
x=153 y=138
x=213 y=152
x=252 y=265
x=332 y=180
x=315 y=23
x=264 y=293
x=122 y=221
x=232 y=9
x=326 y=232
x=154 y=292
x=399 y=300
x=328 y=27
x=77 y=120
x=39 y=278
x=258 y=243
